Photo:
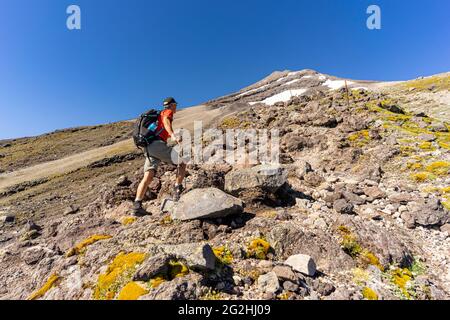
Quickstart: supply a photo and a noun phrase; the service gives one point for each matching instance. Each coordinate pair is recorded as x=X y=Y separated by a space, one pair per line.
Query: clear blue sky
x=131 y=54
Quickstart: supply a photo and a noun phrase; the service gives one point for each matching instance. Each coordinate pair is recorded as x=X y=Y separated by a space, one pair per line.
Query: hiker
x=158 y=151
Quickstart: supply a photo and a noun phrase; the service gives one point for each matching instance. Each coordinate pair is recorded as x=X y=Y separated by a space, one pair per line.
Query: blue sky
x=131 y=54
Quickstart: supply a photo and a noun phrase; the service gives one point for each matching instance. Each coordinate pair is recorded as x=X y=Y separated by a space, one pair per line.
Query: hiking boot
x=138 y=211
x=177 y=191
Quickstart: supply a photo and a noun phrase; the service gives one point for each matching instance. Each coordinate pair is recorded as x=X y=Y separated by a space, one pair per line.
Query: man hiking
x=158 y=151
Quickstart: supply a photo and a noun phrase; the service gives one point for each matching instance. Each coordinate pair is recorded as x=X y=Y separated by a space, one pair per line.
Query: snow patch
x=283 y=96
x=336 y=84
x=253 y=90
x=291 y=82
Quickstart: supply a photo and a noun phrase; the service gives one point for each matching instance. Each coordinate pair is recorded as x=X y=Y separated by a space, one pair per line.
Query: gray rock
x=155 y=265
x=430 y=213
x=206 y=204
x=268 y=283
x=303 y=264
x=8 y=218
x=265 y=177
x=343 y=207
x=72 y=209
x=385 y=245
x=198 y=256
x=185 y=288
x=374 y=193
x=427 y=137
x=290 y=286
x=353 y=198
x=33 y=255
x=446 y=228
x=288 y=239
x=438 y=127
x=285 y=273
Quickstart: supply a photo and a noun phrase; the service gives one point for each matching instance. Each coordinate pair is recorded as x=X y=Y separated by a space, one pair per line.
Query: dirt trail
x=184 y=119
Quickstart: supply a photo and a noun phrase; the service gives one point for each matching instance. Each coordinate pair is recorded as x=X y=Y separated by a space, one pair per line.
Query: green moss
x=50 y=283
x=119 y=273
x=369 y=294
x=258 y=249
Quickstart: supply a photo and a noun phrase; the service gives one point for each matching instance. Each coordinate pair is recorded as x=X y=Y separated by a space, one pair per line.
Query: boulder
x=185 y=288
x=285 y=273
x=152 y=267
x=429 y=214
x=342 y=206
x=374 y=193
x=207 y=203
x=198 y=256
x=268 y=283
x=267 y=178
x=303 y=264
x=288 y=239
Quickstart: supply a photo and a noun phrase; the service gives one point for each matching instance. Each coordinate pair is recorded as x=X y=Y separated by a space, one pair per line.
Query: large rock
x=152 y=267
x=285 y=273
x=267 y=178
x=429 y=214
x=384 y=244
x=303 y=264
x=288 y=239
x=185 y=288
x=198 y=256
x=268 y=283
x=206 y=204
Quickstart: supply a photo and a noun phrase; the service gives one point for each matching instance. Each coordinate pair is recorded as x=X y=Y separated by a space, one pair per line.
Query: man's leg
x=181 y=173
x=143 y=186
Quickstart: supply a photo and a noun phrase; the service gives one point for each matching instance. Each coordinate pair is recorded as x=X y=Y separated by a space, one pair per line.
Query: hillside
x=358 y=208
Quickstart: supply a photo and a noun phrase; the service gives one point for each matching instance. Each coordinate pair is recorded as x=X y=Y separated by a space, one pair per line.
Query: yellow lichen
x=166 y=220
x=230 y=123
x=349 y=242
x=401 y=278
x=81 y=247
x=119 y=272
x=414 y=166
x=369 y=294
x=426 y=146
x=360 y=276
x=422 y=177
x=258 y=249
x=156 y=281
x=224 y=255
x=132 y=291
x=439 y=168
x=128 y=220
x=177 y=269
x=45 y=288
x=371 y=259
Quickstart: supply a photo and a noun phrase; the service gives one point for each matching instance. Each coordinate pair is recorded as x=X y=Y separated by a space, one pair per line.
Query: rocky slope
x=358 y=209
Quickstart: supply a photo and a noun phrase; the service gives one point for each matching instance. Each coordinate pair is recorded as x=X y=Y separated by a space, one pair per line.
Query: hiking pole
x=348 y=98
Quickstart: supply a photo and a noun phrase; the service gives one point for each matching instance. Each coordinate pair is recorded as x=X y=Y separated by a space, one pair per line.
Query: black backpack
x=144 y=131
